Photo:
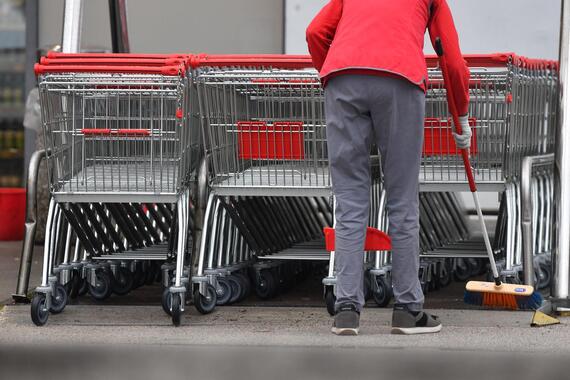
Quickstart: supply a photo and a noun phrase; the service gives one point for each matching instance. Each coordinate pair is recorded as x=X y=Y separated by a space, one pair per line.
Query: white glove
x=463 y=141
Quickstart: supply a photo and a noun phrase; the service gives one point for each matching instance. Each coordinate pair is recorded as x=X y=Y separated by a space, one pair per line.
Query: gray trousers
x=389 y=111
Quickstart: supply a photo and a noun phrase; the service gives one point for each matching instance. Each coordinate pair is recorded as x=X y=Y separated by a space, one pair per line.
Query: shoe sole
x=344 y=331
x=416 y=330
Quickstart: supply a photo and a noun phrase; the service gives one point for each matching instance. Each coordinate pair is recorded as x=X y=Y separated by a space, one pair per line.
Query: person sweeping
x=369 y=54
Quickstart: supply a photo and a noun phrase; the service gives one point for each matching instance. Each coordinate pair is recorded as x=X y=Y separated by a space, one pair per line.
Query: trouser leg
x=398 y=115
x=349 y=131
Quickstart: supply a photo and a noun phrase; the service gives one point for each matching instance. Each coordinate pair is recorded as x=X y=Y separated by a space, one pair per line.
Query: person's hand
x=463 y=140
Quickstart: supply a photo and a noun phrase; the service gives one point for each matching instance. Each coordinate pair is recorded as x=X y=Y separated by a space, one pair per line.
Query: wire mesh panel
x=512 y=113
x=117 y=133
x=264 y=129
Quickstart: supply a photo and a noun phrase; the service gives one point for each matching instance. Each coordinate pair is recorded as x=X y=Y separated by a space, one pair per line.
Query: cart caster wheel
x=444 y=276
x=330 y=300
x=224 y=291
x=246 y=285
x=462 y=270
x=367 y=287
x=68 y=287
x=83 y=287
x=383 y=294
x=204 y=304
x=58 y=299
x=544 y=276
x=124 y=281
x=75 y=284
x=266 y=285
x=39 y=312
x=102 y=289
x=176 y=309
x=139 y=276
x=166 y=301
x=236 y=289
x=150 y=274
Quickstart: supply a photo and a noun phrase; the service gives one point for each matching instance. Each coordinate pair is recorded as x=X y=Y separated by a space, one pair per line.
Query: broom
x=491 y=294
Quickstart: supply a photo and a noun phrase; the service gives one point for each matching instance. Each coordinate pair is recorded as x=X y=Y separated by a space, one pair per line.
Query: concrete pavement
x=281 y=326
x=105 y=341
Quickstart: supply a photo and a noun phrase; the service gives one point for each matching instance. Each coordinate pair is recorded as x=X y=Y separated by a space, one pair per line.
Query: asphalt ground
x=114 y=341
x=286 y=338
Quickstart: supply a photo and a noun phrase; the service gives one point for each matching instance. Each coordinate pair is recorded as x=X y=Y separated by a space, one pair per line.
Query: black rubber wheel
x=83 y=287
x=330 y=299
x=75 y=284
x=176 y=309
x=462 y=270
x=367 y=286
x=246 y=284
x=102 y=288
x=166 y=301
x=139 y=275
x=150 y=274
x=124 y=281
x=544 y=276
x=69 y=286
x=224 y=292
x=383 y=293
x=481 y=267
x=266 y=285
x=236 y=289
x=38 y=311
x=205 y=304
x=444 y=276
x=242 y=287
x=58 y=299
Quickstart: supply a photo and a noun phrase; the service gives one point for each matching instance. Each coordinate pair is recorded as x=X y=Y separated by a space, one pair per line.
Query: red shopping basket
x=439 y=141
x=281 y=140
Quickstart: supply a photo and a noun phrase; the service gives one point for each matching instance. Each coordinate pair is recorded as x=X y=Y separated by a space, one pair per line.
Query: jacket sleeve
x=321 y=31
x=441 y=25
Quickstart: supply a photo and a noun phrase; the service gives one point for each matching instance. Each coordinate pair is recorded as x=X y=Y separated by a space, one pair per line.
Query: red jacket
x=387 y=37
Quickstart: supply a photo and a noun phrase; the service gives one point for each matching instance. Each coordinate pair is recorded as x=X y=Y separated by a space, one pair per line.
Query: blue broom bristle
x=498 y=300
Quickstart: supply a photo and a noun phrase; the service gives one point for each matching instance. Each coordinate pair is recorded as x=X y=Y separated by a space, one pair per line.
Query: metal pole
x=72 y=21
x=30 y=79
x=30 y=231
x=561 y=251
x=119 y=27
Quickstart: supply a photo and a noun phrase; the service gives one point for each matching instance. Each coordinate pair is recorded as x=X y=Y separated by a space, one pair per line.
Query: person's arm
x=321 y=31
x=441 y=26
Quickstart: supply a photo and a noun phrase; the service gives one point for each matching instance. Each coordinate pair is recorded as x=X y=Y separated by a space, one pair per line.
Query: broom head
x=504 y=296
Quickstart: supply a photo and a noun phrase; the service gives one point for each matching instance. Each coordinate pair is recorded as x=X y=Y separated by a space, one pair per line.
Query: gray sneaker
x=407 y=322
x=346 y=320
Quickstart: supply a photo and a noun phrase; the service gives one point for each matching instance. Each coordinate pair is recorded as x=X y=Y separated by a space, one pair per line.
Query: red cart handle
x=163 y=70
x=57 y=55
x=113 y=61
x=115 y=132
x=276 y=61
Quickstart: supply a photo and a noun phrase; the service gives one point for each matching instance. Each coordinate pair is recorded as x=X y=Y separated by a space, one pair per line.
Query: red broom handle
x=454 y=113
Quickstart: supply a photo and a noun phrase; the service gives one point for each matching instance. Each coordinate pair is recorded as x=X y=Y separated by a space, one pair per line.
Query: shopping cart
x=513 y=110
x=265 y=139
x=122 y=154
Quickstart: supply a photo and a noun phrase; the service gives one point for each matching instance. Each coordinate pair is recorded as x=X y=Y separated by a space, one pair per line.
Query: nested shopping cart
x=266 y=161
x=513 y=110
x=122 y=153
